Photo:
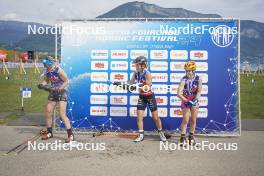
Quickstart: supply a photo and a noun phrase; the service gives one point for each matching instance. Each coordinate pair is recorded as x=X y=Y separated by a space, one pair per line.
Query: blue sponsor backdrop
x=89 y=48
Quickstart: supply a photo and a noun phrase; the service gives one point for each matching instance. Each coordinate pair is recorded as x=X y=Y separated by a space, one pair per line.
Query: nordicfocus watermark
x=59 y=145
x=104 y=88
x=203 y=146
x=69 y=29
x=188 y=29
x=221 y=35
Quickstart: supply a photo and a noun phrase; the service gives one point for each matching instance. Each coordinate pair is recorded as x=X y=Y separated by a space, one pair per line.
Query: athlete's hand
x=192 y=102
x=44 y=87
x=195 y=101
x=59 y=90
x=40 y=86
x=189 y=103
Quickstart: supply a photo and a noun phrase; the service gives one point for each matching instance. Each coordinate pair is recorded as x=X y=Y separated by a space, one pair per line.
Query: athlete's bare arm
x=180 y=91
x=64 y=77
x=199 y=89
x=148 y=82
x=132 y=80
x=44 y=80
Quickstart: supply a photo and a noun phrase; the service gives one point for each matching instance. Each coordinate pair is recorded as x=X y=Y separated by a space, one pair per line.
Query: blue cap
x=47 y=61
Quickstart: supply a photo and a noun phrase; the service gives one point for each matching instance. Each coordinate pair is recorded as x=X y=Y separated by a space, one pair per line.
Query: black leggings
x=57 y=96
x=149 y=100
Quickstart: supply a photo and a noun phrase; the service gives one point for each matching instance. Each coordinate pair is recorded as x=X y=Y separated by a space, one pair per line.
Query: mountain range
x=13 y=34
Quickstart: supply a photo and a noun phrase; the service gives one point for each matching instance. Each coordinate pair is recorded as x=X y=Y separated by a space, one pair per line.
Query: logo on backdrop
x=222 y=35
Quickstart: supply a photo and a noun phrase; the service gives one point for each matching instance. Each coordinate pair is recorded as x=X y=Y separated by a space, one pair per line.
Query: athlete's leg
x=63 y=116
x=140 y=116
x=156 y=119
x=141 y=106
x=185 y=119
x=152 y=103
x=65 y=119
x=155 y=116
x=49 y=111
x=158 y=123
x=194 y=113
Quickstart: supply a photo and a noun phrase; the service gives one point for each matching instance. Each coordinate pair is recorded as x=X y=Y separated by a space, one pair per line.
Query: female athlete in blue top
x=189 y=92
x=55 y=81
x=146 y=97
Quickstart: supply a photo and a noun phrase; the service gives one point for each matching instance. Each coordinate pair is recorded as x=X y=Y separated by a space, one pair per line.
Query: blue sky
x=47 y=11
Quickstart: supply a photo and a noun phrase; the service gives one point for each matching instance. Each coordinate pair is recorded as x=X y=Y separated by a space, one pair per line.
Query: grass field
x=10 y=101
x=252 y=96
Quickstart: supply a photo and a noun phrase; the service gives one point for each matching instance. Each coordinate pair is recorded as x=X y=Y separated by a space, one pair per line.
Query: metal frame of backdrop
x=235 y=133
